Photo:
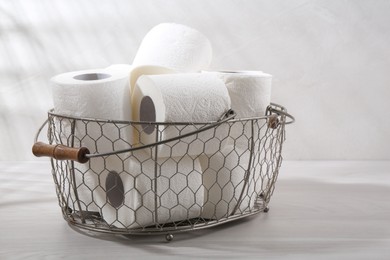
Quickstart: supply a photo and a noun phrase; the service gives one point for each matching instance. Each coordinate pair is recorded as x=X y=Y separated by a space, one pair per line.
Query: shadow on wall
x=329 y=62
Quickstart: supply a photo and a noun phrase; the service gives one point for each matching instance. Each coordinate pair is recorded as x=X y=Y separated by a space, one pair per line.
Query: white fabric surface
x=320 y=210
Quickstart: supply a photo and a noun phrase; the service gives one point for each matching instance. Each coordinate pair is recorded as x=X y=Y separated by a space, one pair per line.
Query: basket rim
x=273 y=107
x=273 y=111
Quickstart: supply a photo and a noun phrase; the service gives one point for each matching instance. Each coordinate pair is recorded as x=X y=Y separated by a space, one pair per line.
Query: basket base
x=92 y=221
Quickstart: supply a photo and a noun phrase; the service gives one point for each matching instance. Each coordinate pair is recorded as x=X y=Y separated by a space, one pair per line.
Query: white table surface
x=320 y=210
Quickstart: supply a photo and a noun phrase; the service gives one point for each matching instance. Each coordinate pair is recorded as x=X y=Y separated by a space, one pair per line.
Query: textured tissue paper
x=190 y=97
x=174 y=46
x=168 y=190
x=147 y=70
x=250 y=94
x=224 y=175
x=97 y=94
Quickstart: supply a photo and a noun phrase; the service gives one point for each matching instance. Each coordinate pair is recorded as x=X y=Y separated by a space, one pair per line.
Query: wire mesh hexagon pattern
x=147 y=178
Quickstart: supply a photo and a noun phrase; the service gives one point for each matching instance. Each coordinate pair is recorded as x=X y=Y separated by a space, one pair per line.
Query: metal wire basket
x=185 y=176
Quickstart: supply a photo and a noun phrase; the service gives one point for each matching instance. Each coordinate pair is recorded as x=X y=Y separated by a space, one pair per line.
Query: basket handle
x=228 y=115
x=82 y=154
x=60 y=152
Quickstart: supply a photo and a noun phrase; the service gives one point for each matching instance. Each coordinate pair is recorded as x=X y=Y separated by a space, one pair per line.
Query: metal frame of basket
x=143 y=199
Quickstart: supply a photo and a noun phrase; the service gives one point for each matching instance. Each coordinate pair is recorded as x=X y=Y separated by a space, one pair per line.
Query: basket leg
x=266 y=209
x=169 y=237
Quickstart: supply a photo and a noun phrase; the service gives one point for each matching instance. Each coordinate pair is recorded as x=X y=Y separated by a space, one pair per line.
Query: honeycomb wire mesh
x=210 y=177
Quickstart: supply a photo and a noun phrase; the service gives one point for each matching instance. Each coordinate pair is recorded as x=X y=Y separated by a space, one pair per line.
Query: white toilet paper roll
x=224 y=175
x=102 y=94
x=137 y=72
x=150 y=192
x=191 y=97
x=115 y=194
x=175 y=46
x=250 y=91
x=250 y=94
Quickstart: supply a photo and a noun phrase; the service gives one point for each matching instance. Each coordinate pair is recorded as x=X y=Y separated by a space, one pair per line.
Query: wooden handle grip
x=60 y=152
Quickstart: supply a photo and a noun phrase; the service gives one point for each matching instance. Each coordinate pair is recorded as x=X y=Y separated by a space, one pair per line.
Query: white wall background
x=330 y=61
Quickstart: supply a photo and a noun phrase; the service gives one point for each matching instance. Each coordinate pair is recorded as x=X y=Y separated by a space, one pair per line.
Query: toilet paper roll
x=250 y=94
x=224 y=175
x=102 y=94
x=137 y=72
x=116 y=194
x=175 y=46
x=191 y=97
x=145 y=70
x=249 y=91
x=150 y=192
